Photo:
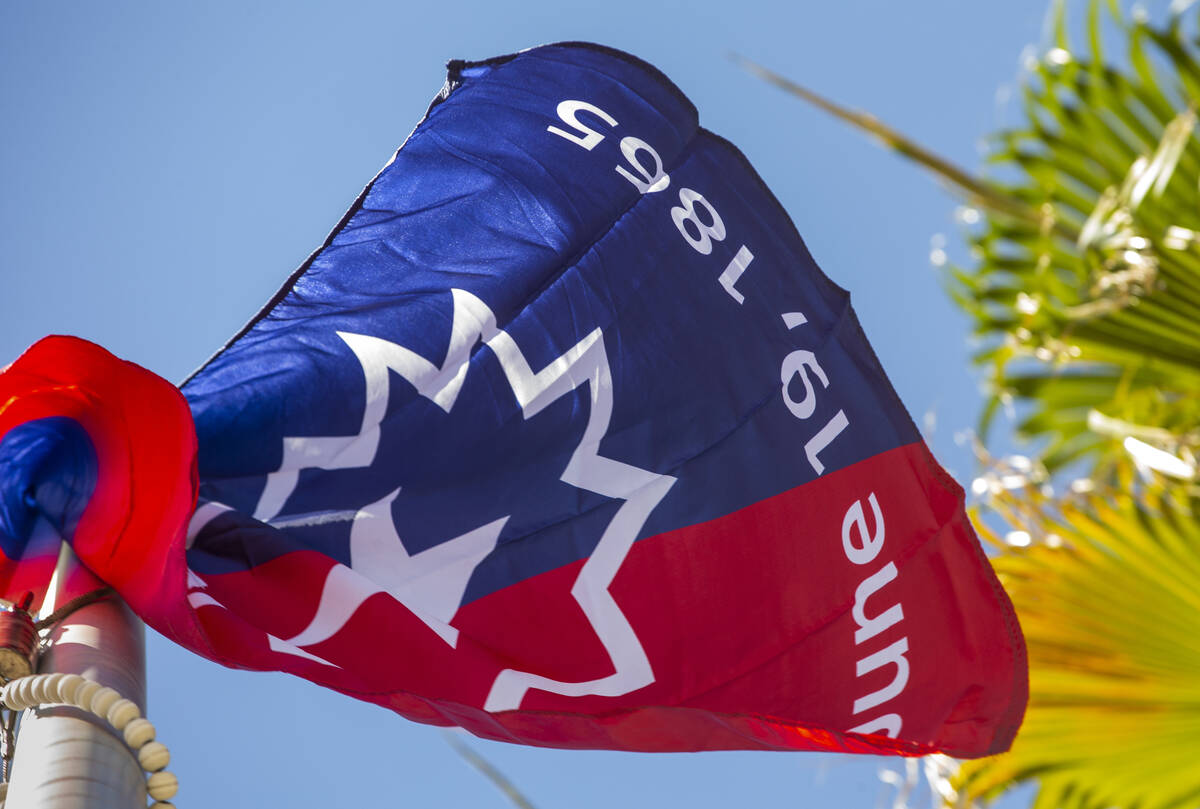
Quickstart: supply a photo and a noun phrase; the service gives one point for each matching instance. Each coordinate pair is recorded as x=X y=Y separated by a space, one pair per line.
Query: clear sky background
x=165 y=166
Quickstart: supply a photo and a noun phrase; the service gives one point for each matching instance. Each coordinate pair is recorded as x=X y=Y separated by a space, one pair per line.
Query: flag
x=563 y=437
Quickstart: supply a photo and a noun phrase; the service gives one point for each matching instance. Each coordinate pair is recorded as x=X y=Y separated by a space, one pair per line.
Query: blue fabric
x=556 y=243
x=48 y=467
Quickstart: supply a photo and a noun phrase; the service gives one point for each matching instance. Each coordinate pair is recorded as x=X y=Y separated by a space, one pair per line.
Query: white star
x=430 y=583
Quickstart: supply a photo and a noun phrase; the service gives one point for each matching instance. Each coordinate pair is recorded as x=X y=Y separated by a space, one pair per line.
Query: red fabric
x=131 y=533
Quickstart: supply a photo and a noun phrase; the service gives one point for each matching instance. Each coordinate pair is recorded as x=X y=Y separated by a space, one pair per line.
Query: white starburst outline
x=431 y=583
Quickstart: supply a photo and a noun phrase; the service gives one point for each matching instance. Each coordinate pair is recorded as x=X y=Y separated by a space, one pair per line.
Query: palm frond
x=1105 y=587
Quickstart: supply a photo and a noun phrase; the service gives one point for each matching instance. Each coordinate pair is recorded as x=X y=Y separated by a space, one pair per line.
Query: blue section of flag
x=545 y=231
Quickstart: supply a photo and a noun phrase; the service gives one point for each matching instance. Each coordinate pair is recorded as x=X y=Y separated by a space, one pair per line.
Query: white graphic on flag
x=431 y=583
x=197 y=588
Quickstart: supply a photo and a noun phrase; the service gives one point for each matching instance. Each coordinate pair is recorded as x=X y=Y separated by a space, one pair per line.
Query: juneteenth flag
x=561 y=437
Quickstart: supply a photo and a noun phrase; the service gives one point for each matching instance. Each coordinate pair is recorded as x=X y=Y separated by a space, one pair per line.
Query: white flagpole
x=66 y=758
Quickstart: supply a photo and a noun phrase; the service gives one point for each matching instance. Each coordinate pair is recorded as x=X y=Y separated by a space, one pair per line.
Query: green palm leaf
x=1107 y=596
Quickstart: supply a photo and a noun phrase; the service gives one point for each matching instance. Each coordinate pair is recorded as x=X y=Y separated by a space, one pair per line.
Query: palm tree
x=1085 y=292
x=1106 y=591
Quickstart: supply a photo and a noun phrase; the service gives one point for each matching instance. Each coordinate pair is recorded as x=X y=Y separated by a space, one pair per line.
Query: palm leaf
x=1107 y=599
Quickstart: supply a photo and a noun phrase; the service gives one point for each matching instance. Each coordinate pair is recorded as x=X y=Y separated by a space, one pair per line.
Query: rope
x=77 y=603
x=106 y=703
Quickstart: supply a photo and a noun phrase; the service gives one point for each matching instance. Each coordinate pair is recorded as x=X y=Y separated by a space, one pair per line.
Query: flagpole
x=67 y=758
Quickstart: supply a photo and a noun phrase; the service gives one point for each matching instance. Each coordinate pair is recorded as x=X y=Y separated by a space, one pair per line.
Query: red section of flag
x=939 y=660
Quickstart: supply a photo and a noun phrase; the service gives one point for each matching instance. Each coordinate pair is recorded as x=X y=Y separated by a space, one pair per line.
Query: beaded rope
x=106 y=703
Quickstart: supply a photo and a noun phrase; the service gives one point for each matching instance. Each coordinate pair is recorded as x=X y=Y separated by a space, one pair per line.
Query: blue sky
x=164 y=167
